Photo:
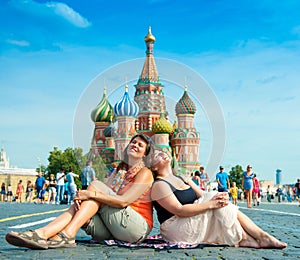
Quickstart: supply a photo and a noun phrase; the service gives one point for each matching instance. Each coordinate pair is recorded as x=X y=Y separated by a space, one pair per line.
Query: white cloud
x=69 y=14
x=53 y=9
x=21 y=43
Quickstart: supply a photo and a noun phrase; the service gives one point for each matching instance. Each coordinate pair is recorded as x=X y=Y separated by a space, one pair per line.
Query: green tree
x=73 y=158
x=236 y=175
x=41 y=168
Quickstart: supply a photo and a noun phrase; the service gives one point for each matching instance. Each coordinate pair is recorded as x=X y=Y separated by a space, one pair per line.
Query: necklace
x=123 y=176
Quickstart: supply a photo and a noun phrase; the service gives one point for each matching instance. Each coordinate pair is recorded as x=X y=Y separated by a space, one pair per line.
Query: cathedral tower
x=126 y=111
x=102 y=116
x=186 y=139
x=149 y=91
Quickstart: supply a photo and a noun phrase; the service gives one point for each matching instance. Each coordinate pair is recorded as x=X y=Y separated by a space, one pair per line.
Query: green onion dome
x=185 y=105
x=162 y=126
x=103 y=111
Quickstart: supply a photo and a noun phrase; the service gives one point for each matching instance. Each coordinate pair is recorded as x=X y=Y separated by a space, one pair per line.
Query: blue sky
x=247 y=51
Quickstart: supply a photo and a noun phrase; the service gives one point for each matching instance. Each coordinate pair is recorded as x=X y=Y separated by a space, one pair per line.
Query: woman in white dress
x=189 y=215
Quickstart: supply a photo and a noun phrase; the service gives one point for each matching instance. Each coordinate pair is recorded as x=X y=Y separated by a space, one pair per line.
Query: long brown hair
x=148 y=152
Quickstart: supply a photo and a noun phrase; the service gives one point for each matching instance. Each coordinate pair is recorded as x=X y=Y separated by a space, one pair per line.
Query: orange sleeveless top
x=142 y=205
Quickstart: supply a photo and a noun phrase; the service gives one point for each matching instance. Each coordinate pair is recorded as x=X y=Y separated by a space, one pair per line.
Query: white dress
x=217 y=226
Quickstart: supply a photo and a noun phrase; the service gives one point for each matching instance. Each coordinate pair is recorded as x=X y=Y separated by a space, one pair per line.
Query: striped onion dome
x=162 y=126
x=185 y=105
x=126 y=106
x=103 y=111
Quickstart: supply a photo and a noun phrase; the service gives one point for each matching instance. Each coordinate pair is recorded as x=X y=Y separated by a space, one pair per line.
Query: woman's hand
x=77 y=203
x=80 y=196
x=220 y=200
x=84 y=194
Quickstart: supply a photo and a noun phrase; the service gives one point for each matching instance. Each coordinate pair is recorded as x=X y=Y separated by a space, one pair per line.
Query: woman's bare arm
x=196 y=188
x=142 y=182
x=162 y=193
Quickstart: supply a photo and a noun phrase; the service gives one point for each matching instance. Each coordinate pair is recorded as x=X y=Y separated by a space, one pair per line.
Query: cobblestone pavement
x=281 y=220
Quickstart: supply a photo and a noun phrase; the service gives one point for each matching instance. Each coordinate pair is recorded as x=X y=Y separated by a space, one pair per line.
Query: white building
x=4 y=160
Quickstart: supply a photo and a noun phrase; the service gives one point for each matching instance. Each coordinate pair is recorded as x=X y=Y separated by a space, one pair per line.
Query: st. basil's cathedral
x=146 y=113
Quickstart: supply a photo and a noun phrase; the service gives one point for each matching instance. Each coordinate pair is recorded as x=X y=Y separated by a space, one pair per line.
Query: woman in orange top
x=120 y=209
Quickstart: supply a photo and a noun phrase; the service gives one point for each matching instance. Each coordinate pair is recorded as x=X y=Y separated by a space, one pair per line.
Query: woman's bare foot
x=268 y=241
x=248 y=241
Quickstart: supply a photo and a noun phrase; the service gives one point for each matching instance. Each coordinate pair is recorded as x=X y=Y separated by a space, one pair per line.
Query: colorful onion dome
x=162 y=126
x=109 y=131
x=149 y=37
x=126 y=106
x=103 y=111
x=185 y=105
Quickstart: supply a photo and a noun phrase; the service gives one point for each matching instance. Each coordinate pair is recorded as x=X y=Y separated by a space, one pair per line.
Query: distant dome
x=185 y=105
x=126 y=106
x=149 y=37
x=109 y=131
x=103 y=111
x=162 y=126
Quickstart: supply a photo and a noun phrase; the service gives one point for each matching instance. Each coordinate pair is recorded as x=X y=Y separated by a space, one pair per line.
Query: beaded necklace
x=123 y=176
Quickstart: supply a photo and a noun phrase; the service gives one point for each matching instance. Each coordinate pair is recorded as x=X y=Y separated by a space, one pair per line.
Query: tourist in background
x=196 y=178
x=19 y=191
x=71 y=185
x=279 y=193
x=234 y=193
x=40 y=185
x=247 y=184
x=204 y=178
x=223 y=180
x=3 y=192
x=9 y=193
x=255 y=191
x=294 y=193
x=51 y=189
x=297 y=191
x=114 y=166
x=289 y=193
x=283 y=193
x=60 y=185
x=269 y=193
x=240 y=194
x=87 y=175
x=29 y=190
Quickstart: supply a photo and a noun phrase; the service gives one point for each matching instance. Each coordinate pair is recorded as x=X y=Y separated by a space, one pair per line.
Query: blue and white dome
x=126 y=106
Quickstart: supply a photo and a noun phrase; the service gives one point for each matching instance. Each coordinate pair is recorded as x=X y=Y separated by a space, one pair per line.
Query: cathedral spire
x=149 y=73
x=149 y=93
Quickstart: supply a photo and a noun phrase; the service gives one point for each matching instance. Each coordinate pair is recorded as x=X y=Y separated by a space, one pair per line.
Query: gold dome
x=149 y=37
x=162 y=126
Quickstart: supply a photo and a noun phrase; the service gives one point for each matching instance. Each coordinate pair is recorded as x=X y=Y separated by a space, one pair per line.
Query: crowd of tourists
x=59 y=188
x=249 y=190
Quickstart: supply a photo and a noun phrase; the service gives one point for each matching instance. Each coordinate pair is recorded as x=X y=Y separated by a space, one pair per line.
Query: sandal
x=65 y=242
x=23 y=239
